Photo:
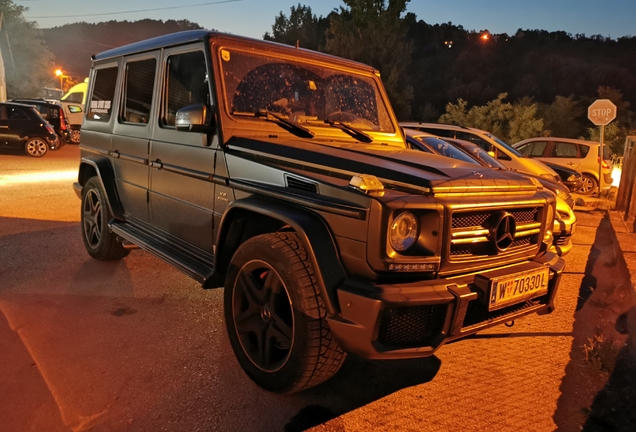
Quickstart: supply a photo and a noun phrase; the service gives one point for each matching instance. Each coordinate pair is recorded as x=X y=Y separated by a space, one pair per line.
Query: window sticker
x=225 y=55
x=100 y=106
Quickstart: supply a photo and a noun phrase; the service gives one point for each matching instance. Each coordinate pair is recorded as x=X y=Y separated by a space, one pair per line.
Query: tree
x=301 y=27
x=373 y=32
x=28 y=63
x=561 y=117
x=512 y=123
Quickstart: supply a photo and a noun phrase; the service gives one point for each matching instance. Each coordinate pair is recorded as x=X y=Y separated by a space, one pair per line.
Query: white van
x=74 y=102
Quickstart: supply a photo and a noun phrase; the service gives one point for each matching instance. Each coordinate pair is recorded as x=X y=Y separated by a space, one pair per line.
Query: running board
x=194 y=262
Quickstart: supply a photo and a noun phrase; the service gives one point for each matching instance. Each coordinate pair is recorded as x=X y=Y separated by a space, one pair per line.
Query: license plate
x=511 y=289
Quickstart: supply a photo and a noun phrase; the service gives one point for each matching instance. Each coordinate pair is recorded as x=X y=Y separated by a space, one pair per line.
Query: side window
x=534 y=149
x=475 y=140
x=564 y=150
x=16 y=113
x=525 y=149
x=501 y=155
x=44 y=111
x=76 y=97
x=585 y=149
x=100 y=105
x=186 y=84
x=140 y=81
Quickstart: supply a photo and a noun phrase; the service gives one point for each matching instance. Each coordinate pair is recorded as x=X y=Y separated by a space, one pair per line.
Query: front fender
x=312 y=231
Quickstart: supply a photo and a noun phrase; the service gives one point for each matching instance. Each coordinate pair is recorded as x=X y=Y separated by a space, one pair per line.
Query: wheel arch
x=100 y=167
x=252 y=216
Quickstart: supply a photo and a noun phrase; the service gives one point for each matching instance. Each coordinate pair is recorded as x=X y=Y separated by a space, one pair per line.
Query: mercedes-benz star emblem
x=503 y=232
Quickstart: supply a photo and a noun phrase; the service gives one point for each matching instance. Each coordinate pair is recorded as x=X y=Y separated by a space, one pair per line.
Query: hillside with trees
x=527 y=84
x=72 y=45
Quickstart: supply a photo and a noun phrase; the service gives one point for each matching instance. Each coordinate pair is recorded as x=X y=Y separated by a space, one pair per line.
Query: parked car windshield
x=309 y=94
x=483 y=156
x=510 y=148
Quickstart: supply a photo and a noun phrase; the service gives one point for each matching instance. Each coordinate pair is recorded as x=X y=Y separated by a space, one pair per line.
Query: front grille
x=477 y=312
x=471 y=232
x=409 y=327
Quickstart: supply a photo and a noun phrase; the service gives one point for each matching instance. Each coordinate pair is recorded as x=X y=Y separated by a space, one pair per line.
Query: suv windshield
x=304 y=93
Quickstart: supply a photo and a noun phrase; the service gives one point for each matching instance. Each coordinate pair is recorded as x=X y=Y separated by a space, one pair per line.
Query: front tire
x=36 y=147
x=588 y=184
x=99 y=241
x=275 y=316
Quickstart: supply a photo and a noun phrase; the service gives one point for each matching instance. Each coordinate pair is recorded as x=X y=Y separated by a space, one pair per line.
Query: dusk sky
x=609 y=18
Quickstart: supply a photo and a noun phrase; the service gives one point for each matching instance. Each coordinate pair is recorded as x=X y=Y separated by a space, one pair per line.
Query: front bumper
x=415 y=319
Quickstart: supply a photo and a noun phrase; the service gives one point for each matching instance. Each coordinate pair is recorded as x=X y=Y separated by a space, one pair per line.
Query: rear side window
x=16 y=113
x=585 y=149
x=101 y=103
x=187 y=84
x=140 y=81
x=564 y=150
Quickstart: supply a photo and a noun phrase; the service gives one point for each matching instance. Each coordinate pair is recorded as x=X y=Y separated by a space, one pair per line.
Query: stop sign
x=601 y=112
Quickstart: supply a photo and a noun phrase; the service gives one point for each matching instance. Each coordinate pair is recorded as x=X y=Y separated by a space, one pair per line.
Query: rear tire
x=36 y=147
x=588 y=184
x=99 y=241
x=275 y=316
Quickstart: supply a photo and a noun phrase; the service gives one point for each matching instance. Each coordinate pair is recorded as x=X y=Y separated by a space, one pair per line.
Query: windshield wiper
x=281 y=121
x=350 y=130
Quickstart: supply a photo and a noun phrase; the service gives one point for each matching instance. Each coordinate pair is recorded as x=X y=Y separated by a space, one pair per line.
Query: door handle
x=156 y=164
x=4 y=127
x=114 y=153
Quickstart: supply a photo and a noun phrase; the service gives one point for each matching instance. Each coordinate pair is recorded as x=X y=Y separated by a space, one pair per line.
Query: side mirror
x=192 y=118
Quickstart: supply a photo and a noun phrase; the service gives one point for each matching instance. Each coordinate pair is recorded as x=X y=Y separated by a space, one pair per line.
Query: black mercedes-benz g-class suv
x=282 y=175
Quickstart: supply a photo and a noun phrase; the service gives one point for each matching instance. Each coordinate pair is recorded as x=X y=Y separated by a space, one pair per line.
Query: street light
x=59 y=73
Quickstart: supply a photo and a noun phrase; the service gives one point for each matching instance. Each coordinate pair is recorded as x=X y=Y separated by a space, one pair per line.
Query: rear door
x=15 y=126
x=566 y=154
x=182 y=163
x=131 y=133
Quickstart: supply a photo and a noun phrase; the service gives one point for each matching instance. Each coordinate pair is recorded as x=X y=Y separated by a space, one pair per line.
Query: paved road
x=135 y=345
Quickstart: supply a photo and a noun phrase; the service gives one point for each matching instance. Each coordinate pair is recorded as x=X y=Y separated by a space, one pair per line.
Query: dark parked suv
x=282 y=175
x=53 y=113
x=22 y=127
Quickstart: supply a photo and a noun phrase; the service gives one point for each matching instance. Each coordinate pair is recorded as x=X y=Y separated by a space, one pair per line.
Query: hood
x=396 y=167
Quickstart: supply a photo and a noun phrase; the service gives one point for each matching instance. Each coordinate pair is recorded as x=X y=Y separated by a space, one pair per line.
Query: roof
x=567 y=140
x=190 y=36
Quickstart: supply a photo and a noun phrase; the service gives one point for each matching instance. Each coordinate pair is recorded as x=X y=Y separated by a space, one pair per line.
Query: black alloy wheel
x=99 y=241
x=275 y=315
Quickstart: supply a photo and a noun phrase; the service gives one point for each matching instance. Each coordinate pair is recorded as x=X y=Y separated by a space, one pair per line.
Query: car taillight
x=605 y=165
x=49 y=128
x=63 y=122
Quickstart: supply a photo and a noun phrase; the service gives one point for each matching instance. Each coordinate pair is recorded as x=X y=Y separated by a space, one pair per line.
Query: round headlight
x=403 y=232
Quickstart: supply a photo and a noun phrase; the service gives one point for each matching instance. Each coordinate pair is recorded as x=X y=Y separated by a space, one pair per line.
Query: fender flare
x=313 y=233
x=101 y=167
